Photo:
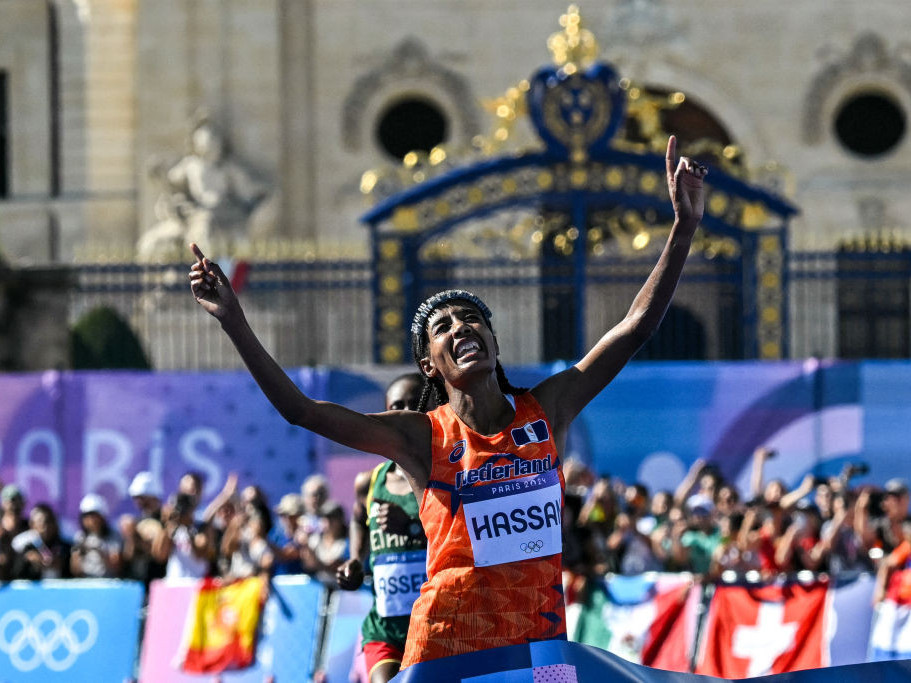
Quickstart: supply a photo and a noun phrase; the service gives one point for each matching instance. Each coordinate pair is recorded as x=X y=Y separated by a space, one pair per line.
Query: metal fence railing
x=320 y=313
x=304 y=313
x=849 y=304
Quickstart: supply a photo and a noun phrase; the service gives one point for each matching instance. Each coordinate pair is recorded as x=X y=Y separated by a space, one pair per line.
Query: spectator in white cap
x=314 y=494
x=96 y=547
x=289 y=511
x=146 y=494
x=138 y=534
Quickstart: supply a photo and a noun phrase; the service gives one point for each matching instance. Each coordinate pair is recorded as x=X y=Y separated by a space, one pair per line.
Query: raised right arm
x=401 y=436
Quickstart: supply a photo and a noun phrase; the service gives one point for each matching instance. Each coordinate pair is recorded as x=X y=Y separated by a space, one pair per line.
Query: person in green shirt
x=701 y=539
x=386 y=536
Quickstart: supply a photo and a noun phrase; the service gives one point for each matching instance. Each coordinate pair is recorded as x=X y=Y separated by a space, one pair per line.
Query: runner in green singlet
x=385 y=522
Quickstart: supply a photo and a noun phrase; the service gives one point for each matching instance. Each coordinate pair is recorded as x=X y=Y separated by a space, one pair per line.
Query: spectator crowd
x=704 y=526
x=237 y=535
x=825 y=525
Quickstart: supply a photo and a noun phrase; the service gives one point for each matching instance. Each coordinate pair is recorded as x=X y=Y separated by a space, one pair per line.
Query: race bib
x=397 y=581
x=514 y=520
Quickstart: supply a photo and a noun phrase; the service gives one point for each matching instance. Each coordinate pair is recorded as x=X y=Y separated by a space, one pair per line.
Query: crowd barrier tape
x=69 y=630
x=573 y=662
x=287 y=646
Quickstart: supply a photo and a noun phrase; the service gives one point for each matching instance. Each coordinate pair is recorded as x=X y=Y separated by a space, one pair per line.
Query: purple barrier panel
x=63 y=435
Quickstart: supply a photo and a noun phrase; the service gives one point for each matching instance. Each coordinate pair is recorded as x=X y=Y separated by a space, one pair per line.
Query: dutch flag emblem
x=530 y=432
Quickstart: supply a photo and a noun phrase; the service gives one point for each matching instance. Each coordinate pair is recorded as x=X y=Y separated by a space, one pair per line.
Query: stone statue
x=207 y=198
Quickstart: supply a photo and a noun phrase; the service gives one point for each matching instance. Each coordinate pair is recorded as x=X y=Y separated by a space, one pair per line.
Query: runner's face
x=459 y=342
x=403 y=395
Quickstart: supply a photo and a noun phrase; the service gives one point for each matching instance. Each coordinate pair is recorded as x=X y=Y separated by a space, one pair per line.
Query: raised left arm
x=565 y=394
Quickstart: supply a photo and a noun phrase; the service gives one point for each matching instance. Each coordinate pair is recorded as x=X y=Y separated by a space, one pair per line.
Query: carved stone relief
x=641 y=22
x=206 y=197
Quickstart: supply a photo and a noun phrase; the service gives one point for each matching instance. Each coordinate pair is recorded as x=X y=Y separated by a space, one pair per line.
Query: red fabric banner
x=754 y=631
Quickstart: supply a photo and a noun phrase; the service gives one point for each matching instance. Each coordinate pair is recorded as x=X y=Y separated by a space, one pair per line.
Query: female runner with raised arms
x=485 y=465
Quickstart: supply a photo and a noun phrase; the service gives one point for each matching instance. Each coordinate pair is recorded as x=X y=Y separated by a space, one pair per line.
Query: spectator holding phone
x=96 y=547
x=245 y=543
x=41 y=552
x=706 y=478
x=287 y=553
x=188 y=550
x=322 y=554
x=138 y=531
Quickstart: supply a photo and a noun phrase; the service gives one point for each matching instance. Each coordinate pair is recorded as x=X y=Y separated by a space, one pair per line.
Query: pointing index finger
x=671 y=157
x=197 y=252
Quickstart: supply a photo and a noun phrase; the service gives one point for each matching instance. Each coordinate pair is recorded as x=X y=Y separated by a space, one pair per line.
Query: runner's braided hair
x=420 y=340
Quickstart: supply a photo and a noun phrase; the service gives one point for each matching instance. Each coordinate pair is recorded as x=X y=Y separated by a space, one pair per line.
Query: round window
x=870 y=124
x=409 y=125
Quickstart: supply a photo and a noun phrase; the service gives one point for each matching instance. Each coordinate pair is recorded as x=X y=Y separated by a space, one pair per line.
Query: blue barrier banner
x=572 y=662
x=288 y=635
x=347 y=610
x=76 y=630
x=852 y=608
x=655 y=419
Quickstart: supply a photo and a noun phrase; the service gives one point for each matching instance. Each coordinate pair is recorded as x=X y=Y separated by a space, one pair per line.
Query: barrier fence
x=89 y=630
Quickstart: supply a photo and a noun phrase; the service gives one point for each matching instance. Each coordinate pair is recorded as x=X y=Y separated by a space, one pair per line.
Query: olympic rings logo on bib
x=516 y=520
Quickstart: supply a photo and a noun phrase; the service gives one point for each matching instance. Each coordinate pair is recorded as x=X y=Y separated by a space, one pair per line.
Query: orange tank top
x=492 y=512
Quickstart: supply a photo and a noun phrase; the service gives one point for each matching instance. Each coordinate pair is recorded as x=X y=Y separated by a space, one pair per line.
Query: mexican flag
x=220 y=630
x=647 y=619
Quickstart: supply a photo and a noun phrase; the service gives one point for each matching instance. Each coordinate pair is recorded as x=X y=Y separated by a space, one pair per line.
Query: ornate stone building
x=98 y=99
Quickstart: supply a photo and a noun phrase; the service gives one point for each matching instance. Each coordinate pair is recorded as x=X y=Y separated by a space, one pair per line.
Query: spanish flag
x=220 y=631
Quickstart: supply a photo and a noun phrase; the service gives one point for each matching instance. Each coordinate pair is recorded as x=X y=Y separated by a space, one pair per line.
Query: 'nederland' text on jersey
x=490 y=472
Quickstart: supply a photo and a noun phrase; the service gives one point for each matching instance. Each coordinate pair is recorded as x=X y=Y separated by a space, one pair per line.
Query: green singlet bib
x=398 y=562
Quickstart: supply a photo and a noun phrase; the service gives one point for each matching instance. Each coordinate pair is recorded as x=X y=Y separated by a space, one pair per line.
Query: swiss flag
x=769 y=629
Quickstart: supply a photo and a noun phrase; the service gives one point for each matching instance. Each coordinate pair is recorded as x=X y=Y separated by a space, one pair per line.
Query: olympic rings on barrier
x=531 y=546
x=30 y=642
